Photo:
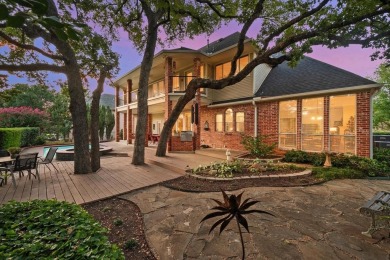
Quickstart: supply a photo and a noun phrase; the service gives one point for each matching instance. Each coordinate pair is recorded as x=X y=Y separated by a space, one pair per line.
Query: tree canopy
x=382 y=100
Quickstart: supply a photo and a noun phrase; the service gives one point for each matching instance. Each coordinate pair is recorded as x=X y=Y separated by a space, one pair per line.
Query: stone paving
x=315 y=222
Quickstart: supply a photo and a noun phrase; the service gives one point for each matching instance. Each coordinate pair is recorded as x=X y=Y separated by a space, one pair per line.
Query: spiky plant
x=232 y=208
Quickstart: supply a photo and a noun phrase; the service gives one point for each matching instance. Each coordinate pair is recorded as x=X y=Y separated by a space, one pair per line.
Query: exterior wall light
x=206 y=126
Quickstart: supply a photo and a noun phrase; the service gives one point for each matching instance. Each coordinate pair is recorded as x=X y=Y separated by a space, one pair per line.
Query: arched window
x=229 y=120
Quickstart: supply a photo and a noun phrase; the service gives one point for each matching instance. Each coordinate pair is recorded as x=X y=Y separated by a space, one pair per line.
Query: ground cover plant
x=52 y=229
x=238 y=168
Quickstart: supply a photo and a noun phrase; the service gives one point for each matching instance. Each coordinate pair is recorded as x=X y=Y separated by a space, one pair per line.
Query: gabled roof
x=221 y=44
x=309 y=75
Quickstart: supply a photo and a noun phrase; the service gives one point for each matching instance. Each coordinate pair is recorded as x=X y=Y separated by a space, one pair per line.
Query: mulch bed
x=246 y=172
x=191 y=184
x=114 y=210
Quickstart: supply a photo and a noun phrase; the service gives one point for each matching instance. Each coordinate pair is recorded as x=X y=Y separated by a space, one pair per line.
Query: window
x=288 y=124
x=240 y=122
x=218 y=122
x=176 y=82
x=189 y=77
x=229 y=120
x=183 y=123
x=223 y=70
x=342 y=114
x=312 y=124
x=156 y=89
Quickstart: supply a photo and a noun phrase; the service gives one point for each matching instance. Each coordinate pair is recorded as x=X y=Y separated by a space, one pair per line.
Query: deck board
x=117 y=176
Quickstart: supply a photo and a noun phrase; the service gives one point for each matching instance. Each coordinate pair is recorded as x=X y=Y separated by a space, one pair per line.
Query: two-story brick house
x=312 y=107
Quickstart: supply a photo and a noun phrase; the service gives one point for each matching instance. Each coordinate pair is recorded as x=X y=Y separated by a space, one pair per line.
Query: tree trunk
x=168 y=125
x=146 y=65
x=94 y=124
x=78 y=110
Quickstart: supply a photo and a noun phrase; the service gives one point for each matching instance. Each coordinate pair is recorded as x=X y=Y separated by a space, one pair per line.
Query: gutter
x=255 y=121
x=320 y=92
x=249 y=101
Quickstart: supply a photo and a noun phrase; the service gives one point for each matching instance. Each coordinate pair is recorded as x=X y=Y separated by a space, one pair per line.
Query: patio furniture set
x=24 y=162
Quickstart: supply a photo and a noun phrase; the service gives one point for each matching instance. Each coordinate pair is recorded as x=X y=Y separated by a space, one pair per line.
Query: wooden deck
x=117 y=176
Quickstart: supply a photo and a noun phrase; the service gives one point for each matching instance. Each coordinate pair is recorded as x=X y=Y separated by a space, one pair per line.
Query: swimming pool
x=66 y=152
x=64 y=147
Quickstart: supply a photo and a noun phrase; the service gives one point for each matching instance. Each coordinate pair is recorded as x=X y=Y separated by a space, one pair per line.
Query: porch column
x=125 y=126
x=299 y=123
x=148 y=129
x=117 y=117
x=198 y=98
x=326 y=124
x=168 y=82
x=129 y=118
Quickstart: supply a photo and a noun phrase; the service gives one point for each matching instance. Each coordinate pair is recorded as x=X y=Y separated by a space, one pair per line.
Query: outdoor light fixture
x=206 y=126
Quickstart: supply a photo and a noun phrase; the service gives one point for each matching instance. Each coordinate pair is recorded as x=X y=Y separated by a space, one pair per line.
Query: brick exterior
x=363 y=124
x=197 y=128
x=221 y=139
x=268 y=117
x=179 y=146
x=168 y=83
x=129 y=113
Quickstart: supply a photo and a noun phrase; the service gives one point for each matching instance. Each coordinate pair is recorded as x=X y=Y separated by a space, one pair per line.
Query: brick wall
x=267 y=120
x=221 y=139
x=179 y=146
x=363 y=124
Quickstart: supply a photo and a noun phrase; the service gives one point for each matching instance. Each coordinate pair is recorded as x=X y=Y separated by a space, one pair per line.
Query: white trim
x=255 y=121
x=249 y=101
x=320 y=92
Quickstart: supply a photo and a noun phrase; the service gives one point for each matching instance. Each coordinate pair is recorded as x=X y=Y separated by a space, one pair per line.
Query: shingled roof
x=309 y=75
x=221 y=44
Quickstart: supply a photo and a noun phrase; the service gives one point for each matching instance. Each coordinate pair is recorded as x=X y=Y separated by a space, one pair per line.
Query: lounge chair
x=49 y=158
x=22 y=163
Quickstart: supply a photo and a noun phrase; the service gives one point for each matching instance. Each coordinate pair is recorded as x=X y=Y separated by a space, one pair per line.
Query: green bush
x=40 y=140
x=52 y=230
x=297 y=156
x=337 y=173
x=382 y=155
x=257 y=145
x=18 y=136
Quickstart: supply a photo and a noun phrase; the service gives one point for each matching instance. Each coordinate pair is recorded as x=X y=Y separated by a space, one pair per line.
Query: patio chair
x=23 y=162
x=49 y=158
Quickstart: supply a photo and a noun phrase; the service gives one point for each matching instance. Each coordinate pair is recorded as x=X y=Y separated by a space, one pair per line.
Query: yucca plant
x=232 y=208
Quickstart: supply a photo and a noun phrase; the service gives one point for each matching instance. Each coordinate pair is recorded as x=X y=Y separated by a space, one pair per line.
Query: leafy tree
x=110 y=122
x=102 y=121
x=68 y=47
x=289 y=29
x=36 y=96
x=61 y=120
x=22 y=117
x=382 y=100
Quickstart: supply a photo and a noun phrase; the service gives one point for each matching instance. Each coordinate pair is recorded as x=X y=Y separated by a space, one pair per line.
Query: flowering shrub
x=22 y=117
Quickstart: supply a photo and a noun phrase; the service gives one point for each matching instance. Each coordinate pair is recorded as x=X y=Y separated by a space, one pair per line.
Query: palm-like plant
x=232 y=208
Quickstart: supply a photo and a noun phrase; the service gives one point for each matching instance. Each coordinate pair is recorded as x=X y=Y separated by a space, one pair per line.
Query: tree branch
x=212 y=6
x=30 y=47
x=32 y=67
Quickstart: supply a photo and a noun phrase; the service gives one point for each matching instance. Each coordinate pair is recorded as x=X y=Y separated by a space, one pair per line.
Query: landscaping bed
x=124 y=221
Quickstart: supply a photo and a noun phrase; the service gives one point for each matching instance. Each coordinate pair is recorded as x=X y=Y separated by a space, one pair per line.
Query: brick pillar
x=129 y=89
x=168 y=82
x=363 y=124
x=148 y=129
x=198 y=100
x=117 y=117
x=326 y=124
x=129 y=119
x=299 y=124
x=125 y=126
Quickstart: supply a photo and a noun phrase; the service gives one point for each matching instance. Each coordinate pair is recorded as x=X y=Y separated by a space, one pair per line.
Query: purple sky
x=354 y=58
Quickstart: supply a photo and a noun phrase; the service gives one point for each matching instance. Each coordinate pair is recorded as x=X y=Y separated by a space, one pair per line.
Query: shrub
x=337 y=173
x=18 y=136
x=257 y=145
x=297 y=156
x=14 y=150
x=22 y=117
x=131 y=244
x=40 y=140
x=52 y=230
x=382 y=155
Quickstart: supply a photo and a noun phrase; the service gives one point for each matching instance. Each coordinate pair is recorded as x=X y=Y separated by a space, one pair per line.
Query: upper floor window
x=229 y=120
x=223 y=70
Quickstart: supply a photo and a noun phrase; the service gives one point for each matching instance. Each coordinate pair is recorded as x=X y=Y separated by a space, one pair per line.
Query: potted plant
x=14 y=151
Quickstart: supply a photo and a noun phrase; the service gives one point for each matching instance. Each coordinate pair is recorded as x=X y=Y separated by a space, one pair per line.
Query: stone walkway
x=315 y=222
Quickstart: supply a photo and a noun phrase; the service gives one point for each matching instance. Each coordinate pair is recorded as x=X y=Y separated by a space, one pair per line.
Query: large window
x=156 y=89
x=240 y=118
x=288 y=124
x=342 y=114
x=183 y=123
x=219 y=122
x=176 y=82
x=229 y=120
x=223 y=70
x=312 y=124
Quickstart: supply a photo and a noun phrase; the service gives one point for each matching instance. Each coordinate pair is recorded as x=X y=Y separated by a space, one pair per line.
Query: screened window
x=240 y=122
x=288 y=124
x=312 y=124
x=342 y=126
x=219 y=122
x=229 y=120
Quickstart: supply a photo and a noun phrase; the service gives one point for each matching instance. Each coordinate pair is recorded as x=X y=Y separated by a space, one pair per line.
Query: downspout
x=255 y=121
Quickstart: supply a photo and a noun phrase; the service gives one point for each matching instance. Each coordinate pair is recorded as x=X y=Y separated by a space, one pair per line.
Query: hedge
x=18 y=136
x=52 y=230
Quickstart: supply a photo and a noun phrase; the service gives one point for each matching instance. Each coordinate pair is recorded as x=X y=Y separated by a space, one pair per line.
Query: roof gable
x=309 y=75
x=221 y=44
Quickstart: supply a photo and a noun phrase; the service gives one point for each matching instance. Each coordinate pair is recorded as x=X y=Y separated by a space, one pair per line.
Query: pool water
x=64 y=147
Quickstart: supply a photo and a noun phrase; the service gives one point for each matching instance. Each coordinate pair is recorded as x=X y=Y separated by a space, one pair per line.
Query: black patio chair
x=49 y=158
x=23 y=162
